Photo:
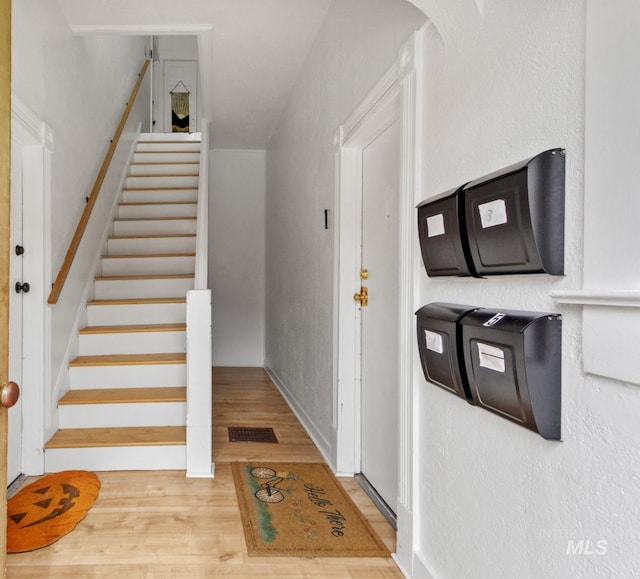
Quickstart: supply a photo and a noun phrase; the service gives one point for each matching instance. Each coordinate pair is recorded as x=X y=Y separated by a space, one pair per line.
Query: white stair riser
x=142 y=288
x=154 y=226
x=182 y=147
x=165 y=169
x=160 y=195
x=173 y=137
x=116 y=458
x=166 y=157
x=166 y=210
x=122 y=415
x=168 y=181
x=148 y=265
x=132 y=343
x=135 y=245
x=129 y=376
x=117 y=315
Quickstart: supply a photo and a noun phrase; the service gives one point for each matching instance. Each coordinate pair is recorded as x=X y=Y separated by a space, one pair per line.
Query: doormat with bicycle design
x=301 y=510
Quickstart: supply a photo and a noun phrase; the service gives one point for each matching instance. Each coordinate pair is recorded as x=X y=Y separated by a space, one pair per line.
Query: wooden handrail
x=86 y=214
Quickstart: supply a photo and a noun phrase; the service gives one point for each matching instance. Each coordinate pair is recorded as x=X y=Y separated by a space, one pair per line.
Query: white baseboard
x=316 y=436
x=421 y=568
x=397 y=561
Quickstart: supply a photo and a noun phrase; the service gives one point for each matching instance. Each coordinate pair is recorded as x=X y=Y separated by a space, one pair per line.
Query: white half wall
x=237 y=256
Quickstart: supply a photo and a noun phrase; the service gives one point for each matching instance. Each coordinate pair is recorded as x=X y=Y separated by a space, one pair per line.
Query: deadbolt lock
x=364 y=274
x=362 y=297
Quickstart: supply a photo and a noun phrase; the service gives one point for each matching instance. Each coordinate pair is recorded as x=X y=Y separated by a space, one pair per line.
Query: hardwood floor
x=161 y=524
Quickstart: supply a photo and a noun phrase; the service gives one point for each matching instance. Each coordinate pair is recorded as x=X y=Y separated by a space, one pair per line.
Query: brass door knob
x=9 y=394
x=362 y=297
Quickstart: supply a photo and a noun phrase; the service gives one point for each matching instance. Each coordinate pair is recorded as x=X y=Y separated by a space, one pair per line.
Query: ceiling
x=251 y=52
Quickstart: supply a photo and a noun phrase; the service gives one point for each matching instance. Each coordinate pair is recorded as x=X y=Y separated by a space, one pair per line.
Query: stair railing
x=93 y=196
x=199 y=388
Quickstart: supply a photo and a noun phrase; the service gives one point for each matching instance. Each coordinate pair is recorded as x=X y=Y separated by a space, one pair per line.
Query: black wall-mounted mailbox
x=440 y=346
x=512 y=361
x=514 y=218
x=441 y=241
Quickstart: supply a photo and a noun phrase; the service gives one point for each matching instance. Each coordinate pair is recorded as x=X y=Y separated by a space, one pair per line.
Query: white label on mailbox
x=435 y=225
x=493 y=213
x=491 y=357
x=434 y=342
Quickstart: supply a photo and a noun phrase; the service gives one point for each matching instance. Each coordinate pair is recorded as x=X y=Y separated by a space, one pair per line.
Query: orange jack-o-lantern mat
x=49 y=508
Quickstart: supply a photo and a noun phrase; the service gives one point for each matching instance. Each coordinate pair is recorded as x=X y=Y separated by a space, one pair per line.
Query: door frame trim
x=36 y=141
x=385 y=111
x=404 y=78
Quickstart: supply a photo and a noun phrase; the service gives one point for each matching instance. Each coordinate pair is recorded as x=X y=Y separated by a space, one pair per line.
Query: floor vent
x=248 y=434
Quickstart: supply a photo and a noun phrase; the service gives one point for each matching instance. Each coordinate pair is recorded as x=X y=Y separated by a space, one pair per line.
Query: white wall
x=78 y=86
x=237 y=256
x=495 y=499
x=357 y=43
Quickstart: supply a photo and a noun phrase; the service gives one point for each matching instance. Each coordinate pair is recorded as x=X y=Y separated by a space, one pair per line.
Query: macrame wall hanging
x=179 y=108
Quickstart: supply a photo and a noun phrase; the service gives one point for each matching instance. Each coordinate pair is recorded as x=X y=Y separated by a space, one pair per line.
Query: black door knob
x=22 y=287
x=19 y=250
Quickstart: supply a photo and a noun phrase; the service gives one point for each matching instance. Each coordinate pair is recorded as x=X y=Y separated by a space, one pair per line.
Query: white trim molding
x=585 y=297
x=609 y=336
x=36 y=140
x=140 y=30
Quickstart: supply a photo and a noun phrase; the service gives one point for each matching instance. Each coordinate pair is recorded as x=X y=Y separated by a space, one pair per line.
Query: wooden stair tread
x=182 y=141
x=134 y=277
x=154 y=175
x=145 y=255
x=133 y=328
x=138 y=301
x=153 y=236
x=168 y=152
x=159 y=188
x=166 y=162
x=188 y=217
x=152 y=203
x=104 y=437
x=124 y=395
x=128 y=359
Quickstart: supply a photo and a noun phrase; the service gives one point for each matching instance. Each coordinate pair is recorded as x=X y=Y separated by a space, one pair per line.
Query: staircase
x=126 y=407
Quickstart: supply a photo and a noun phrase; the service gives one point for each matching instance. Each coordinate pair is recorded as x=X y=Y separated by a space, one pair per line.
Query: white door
x=380 y=328
x=14 y=452
x=181 y=76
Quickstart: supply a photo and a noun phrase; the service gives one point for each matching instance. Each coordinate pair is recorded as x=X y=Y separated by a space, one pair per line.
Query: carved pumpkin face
x=48 y=509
